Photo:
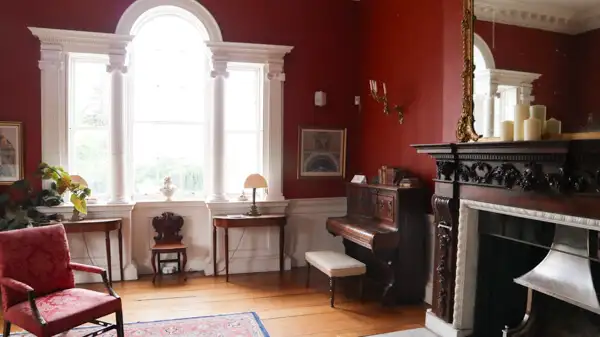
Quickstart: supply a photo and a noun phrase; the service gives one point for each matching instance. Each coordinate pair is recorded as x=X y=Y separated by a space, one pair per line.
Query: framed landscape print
x=11 y=152
x=322 y=152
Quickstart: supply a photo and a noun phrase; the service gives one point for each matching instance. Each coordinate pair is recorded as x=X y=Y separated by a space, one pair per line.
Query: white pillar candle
x=539 y=112
x=521 y=114
x=533 y=129
x=553 y=127
x=507 y=131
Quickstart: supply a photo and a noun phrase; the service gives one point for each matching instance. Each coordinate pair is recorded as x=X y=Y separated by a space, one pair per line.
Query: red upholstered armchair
x=38 y=286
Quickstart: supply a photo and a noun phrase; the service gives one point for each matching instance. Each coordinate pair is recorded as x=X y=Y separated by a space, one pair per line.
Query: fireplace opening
x=509 y=248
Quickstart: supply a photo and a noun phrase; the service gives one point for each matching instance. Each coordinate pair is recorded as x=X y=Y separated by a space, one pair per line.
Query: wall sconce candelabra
x=382 y=99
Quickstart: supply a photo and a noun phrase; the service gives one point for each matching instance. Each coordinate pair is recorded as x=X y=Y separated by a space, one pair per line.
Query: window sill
x=174 y=203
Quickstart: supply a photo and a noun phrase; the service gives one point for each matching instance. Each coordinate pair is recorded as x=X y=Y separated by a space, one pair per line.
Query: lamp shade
x=255 y=181
x=79 y=180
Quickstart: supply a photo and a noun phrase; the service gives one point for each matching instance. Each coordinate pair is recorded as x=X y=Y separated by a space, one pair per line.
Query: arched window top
x=484 y=59
x=141 y=11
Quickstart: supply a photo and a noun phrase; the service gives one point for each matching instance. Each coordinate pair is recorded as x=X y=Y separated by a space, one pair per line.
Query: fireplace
x=517 y=240
x=512 y=253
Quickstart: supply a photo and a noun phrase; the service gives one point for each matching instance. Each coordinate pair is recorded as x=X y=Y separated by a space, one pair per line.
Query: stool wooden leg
x=6 y=329
x=307 y=274
x=331 y=291
x=362 y=287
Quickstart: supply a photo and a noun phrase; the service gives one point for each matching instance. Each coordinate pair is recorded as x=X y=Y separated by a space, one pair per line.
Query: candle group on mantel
x=529 y=124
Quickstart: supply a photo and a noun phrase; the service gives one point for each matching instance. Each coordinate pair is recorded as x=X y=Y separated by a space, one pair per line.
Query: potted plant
x=63 y=182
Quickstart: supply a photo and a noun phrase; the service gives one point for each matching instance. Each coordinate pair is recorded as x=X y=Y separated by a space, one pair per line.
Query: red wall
x=322 y=32
x=415 y=46
x=587 y=76
x=453 y=67
x=537 y=51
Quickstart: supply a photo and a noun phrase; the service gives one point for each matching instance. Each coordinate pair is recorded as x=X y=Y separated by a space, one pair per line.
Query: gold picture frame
x=465 y=131
x=11 y=152
x=321 y=152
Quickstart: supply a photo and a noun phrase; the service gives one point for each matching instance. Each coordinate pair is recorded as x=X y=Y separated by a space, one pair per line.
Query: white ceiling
x=564 y=16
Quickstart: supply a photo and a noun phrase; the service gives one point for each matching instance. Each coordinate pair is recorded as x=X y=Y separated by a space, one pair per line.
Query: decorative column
x=489 y=110
x=217 y=129
x=53 y=117
x=117 y=70
x=274 y=77
x=525 y=95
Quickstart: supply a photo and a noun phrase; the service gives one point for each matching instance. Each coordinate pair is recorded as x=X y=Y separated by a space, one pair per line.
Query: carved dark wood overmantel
x=552 y=176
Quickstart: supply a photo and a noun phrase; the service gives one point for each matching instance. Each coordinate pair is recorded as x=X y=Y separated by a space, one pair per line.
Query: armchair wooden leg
x=6 y=330
x=120 y=328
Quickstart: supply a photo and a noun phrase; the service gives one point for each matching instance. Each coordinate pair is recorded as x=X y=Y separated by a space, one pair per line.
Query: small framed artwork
x=11 y=152
x=322 y=152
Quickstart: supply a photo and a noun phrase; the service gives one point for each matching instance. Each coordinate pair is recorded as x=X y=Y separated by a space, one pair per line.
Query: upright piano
x=385 y=227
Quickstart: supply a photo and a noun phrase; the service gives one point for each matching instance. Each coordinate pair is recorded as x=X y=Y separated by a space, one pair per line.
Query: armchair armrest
x=15 y=285
x=86 y=268
x=24 y=288
x=94 y=270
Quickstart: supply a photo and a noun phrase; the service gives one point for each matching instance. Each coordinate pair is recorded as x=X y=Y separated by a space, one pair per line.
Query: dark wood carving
x=385 y=228
x=445 y=264
x=553 y=176
x=168 y=228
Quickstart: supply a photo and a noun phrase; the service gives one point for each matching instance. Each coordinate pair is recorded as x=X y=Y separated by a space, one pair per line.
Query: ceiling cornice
x=545 y=17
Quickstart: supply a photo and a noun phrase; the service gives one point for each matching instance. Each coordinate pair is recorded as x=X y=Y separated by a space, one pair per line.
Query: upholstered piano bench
x=334 y=265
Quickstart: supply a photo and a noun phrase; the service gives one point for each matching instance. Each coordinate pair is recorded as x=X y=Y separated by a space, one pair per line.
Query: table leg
x=281 y=248
x=214 y=251
x=108 y=258
x=226 y=254
x=121 y=252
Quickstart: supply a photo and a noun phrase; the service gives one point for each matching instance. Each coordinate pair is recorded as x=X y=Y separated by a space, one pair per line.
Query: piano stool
x=334 y=265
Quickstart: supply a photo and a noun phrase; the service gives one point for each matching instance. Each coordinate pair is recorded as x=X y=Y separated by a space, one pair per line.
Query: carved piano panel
x=385 y=228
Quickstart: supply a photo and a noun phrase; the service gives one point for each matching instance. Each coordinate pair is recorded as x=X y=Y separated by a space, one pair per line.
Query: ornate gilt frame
x=465 y=131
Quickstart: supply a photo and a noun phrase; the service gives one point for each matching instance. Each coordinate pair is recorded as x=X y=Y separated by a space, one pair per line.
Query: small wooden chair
x=168 y=240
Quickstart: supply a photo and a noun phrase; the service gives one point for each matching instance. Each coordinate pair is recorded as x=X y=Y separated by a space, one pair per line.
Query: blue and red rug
x=246 y=324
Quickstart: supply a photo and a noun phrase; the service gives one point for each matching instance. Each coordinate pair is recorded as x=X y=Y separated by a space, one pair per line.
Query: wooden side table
x=101 y=225
x=245 y=221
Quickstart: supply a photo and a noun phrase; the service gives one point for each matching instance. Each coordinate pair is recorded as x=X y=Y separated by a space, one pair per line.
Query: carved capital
x=219 y=69
x=116 y=63
x=276 y=76
x=51 y=60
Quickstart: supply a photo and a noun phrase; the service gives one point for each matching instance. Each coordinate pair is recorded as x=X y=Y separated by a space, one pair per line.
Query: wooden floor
x=286 y=307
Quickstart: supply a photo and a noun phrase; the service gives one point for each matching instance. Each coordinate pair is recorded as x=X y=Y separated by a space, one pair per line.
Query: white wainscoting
x=257 y=251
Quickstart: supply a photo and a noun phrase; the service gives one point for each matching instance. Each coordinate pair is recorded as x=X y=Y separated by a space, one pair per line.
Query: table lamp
x=254 y=181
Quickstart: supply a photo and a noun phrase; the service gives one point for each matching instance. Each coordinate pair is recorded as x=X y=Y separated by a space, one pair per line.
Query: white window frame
x=56 y=44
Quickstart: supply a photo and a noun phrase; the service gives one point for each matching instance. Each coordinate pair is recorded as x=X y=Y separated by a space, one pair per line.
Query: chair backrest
x=167 y=227
x=38 y=257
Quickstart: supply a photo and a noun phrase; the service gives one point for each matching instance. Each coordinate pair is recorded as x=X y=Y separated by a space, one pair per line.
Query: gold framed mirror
x=465 y=131
x=544 y=56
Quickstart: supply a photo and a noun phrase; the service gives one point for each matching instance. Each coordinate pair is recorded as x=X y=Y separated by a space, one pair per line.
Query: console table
x=245 y=221
x=100 y=225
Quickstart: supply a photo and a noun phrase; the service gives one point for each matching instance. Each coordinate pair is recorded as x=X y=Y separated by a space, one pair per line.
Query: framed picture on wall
x=11 y=152
x=321 y=152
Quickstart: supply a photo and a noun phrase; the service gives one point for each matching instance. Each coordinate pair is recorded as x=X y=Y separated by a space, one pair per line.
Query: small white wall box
x=320 y=98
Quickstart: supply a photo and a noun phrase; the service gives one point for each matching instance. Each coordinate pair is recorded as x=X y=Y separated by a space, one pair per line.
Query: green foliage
x=18 y=204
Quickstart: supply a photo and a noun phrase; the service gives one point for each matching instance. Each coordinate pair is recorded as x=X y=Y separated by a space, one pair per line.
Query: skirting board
x=409 y=333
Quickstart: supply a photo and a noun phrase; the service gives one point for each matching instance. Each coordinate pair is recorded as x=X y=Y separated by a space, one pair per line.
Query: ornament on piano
x=396 y=176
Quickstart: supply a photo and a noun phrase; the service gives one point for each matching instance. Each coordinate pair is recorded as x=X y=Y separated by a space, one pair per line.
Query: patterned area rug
x=245 y=324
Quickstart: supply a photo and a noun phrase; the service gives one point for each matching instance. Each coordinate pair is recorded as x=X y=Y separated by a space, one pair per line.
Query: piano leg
x=307 y=274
